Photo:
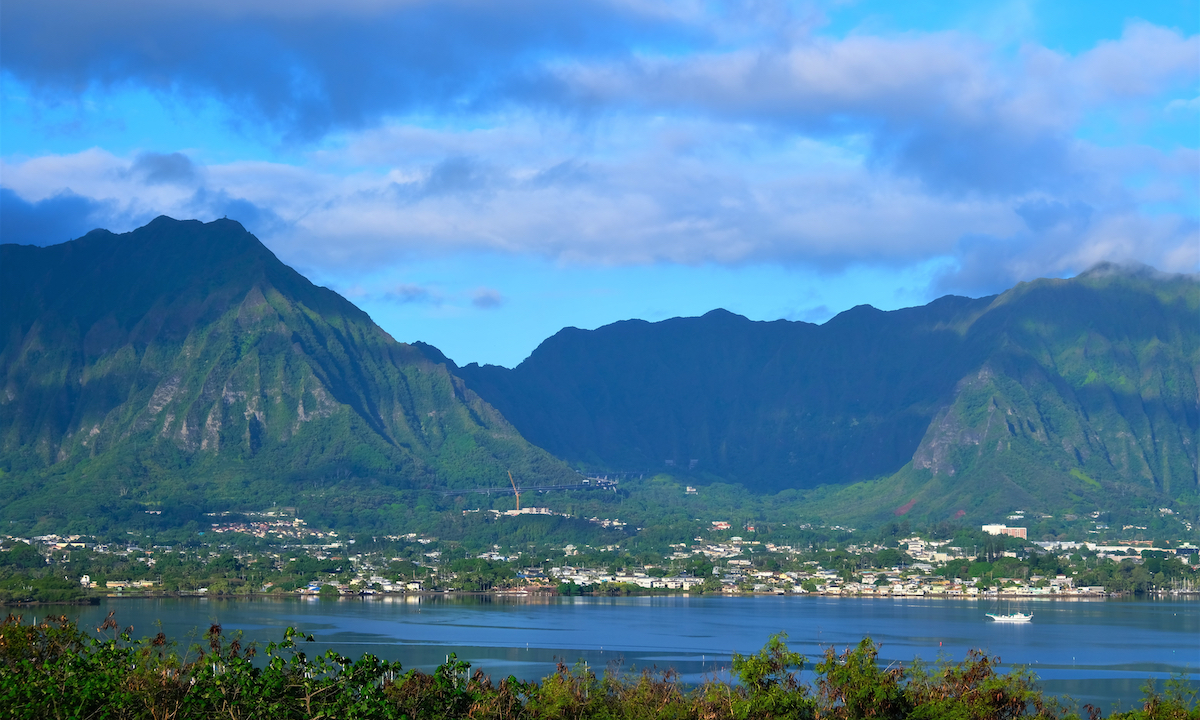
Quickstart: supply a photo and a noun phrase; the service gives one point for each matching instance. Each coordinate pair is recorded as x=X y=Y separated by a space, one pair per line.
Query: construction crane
x=515 y=491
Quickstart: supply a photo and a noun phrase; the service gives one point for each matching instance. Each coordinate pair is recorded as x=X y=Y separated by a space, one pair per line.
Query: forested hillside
x=183 y=366
x=1054 y=392
x=772 y=404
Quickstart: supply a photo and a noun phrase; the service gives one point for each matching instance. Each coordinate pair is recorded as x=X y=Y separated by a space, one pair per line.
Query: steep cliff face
x=773 y=405
x=184 y=361
x=1054 y=392
x=187 y=353
x=1092 y=389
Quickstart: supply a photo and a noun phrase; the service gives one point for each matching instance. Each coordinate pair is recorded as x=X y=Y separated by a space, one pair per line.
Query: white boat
x=1013 y=618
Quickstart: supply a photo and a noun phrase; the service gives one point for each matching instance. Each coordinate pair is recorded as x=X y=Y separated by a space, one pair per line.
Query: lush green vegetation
x=235 y=564
x=1151 y=571
x=55 y=670
x=1058 y=396
x=181 y=368
x=25 y=577
x=18 y=587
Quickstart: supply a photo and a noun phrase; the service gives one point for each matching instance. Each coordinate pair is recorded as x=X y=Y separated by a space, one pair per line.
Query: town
x=276 y=553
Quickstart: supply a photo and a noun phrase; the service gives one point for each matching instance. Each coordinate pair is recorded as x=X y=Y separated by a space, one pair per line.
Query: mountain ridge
x=1066 y=355
x=183 y=366
x=184 y=360
x=680 y=347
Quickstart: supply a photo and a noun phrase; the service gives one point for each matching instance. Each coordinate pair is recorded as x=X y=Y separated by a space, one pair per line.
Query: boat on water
x=1011 y=618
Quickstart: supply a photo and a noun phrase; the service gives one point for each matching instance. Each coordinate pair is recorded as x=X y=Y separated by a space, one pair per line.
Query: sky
x=478 y=174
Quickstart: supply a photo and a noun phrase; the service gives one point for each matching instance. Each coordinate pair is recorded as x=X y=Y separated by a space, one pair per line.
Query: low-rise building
x=1017 y=532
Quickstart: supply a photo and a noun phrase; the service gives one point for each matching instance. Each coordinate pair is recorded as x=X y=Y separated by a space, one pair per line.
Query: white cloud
x=797 y=148
x=811 y=204
x=1180 y=105
x=1140 y=64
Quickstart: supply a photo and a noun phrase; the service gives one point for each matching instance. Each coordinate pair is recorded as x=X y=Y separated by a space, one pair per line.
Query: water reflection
x=1100 y=652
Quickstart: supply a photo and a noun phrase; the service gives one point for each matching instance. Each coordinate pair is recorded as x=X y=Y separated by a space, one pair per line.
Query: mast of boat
x=515 y=491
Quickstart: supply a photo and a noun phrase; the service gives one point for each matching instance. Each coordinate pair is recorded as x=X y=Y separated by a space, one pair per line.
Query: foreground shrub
x=55 y=670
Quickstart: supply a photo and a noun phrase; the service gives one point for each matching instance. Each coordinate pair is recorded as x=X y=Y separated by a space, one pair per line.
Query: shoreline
x=694 y=638
x=81 y=602
x=417 y=596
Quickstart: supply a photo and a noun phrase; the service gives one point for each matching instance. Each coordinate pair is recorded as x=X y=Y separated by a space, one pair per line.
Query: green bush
x=55 y=670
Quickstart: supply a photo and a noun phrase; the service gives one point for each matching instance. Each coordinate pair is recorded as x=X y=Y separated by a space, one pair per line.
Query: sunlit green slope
x=1088 y=398
x=1055 y=394
x=182 y=362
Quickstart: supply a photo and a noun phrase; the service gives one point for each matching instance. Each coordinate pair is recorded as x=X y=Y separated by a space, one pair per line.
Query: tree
x=887 y=558
x=22 y=556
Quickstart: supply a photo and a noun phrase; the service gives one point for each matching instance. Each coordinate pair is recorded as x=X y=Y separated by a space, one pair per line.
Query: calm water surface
x=1098 y=651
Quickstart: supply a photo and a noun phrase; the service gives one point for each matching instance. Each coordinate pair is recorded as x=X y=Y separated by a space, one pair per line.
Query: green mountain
x=1088 y=399
x=1053 y=395
x=183 y=366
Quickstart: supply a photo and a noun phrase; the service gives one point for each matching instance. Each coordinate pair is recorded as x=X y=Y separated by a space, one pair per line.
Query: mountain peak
x=722 y=314
x=1132 y=269
x=1128 y=268
x=186 y=352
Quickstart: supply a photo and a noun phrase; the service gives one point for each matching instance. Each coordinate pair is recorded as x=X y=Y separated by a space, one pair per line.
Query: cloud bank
x=623 y=133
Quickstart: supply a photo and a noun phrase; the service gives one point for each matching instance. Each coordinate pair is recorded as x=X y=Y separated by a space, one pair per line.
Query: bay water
x=1098 y=651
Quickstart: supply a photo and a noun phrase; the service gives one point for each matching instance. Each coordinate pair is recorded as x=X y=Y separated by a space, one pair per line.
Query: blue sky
x=479 y=174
